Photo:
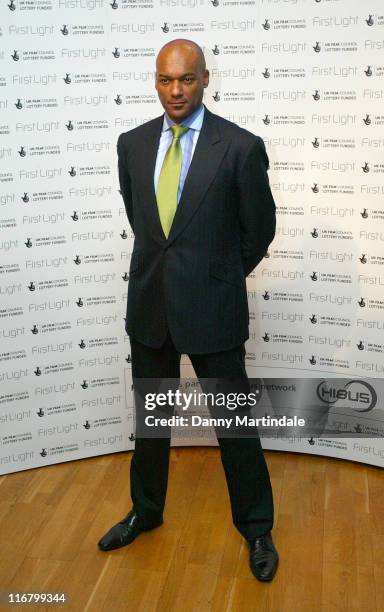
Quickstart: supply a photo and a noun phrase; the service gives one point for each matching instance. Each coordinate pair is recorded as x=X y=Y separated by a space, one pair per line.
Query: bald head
x=181 y=77
x=185 y=47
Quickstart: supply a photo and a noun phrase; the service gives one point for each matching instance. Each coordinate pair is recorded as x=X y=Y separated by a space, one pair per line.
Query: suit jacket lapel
x=146 y=160
x=209 y=151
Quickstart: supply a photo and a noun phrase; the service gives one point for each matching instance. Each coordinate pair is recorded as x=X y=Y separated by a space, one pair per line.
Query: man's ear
x=206 y=78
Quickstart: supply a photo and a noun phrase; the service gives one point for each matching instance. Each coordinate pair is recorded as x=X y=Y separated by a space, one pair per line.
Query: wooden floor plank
x=348 y=588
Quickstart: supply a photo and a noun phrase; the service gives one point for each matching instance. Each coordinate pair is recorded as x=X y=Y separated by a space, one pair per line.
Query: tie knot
x=178 y=131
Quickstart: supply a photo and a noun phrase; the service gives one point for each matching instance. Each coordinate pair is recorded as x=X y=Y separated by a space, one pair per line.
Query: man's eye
x=164 y=81
x=188 y=80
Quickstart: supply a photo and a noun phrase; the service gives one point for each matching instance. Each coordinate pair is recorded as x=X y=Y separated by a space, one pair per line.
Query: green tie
x=168 y=184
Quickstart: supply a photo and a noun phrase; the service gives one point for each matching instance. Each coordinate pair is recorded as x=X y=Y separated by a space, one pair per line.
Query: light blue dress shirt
x=187 y=141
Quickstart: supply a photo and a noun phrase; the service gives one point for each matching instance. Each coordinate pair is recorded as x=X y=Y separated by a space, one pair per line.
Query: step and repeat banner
x=307 y=76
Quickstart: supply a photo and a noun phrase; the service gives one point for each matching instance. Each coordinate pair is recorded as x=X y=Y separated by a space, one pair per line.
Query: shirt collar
x=194 y=121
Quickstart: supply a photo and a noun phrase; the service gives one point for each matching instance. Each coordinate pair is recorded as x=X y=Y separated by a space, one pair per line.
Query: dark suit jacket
x=193 y=283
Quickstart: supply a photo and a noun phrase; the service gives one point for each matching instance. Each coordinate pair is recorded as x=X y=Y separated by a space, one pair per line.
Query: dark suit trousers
x=245 y=468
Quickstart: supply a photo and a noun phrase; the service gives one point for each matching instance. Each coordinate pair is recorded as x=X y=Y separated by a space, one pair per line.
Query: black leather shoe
x=124 y=532
x=263 y=558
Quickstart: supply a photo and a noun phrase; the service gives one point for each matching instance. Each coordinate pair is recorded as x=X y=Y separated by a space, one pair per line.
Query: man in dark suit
x=197 y=196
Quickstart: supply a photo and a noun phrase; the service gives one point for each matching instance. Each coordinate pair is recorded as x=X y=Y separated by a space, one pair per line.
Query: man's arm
x=256 y=206
x=125 y=180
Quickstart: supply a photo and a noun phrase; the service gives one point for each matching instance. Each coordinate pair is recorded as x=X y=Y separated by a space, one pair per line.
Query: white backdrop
x=306 y=75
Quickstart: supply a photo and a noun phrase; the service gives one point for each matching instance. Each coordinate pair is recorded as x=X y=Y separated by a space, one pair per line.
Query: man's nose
x=176 y=88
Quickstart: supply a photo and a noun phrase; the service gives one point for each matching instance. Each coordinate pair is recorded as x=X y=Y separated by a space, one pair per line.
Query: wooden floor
x=329 y=530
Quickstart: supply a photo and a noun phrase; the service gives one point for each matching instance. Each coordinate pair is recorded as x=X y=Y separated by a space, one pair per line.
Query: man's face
x=180 y=81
